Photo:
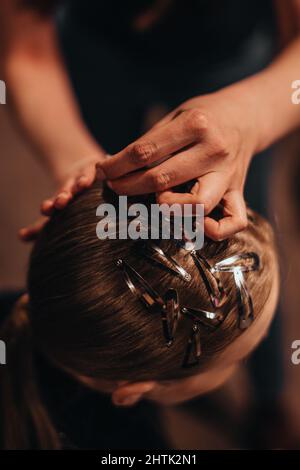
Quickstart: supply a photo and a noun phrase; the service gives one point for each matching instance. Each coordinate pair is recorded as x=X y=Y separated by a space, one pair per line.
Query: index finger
x=160 y=142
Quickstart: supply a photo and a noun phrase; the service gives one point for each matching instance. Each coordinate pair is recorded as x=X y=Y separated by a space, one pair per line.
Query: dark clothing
x=116 y=84
x=211 y=30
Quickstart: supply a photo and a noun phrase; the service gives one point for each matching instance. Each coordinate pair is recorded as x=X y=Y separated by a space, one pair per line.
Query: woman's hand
x=211 y=139
x=79 y=176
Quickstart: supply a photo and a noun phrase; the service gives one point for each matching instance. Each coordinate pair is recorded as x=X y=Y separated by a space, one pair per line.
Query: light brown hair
x=83 y=318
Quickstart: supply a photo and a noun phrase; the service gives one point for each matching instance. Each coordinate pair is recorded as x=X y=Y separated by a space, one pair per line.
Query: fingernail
x=109 y=184
x=82 y=179
x=61 y=200
x=47 y=203
x=82 y=182
x=62 y=195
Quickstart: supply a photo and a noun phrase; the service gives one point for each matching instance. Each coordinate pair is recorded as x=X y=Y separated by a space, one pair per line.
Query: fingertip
x=22 y=233
x=25 y=235
x=165 y=197
x=47 y=207
x=212 y=229
x=83 y=182
x=62 y=200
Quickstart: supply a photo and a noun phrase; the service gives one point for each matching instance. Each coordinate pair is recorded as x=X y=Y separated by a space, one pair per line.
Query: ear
x=128 y=394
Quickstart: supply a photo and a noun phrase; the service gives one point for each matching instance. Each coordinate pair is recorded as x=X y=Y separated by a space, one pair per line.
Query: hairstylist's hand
x=210 y=138
x=79 y=176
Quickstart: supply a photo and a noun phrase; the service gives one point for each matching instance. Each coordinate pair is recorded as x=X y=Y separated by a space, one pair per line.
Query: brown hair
x=84 y=318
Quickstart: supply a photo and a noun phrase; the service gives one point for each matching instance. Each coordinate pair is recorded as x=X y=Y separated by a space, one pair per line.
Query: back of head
x=86 y=320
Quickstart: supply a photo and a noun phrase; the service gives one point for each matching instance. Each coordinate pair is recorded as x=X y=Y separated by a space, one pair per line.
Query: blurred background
x=211 y=422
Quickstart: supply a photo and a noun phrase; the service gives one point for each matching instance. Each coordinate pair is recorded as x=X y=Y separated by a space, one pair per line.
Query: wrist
x=255 y=99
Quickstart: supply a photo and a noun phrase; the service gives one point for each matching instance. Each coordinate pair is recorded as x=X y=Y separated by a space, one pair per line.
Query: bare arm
x=41 y=93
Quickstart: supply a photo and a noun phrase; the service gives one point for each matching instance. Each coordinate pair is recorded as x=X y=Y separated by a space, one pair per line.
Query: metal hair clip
x=213 y=284
x=168 y=307
x=170 y=315
x=245 y=304
x=210 y=320
x=237 y=265
x=156 y=254
x=245 y=262
x=141 y=289
x=207 y=319
x=193 y=347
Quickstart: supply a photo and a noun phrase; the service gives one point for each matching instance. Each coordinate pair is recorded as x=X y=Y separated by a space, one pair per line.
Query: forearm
x=45 y=105
x=268 y=97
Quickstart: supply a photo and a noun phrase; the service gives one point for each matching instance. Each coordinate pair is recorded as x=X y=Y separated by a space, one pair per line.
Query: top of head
x=85 y=318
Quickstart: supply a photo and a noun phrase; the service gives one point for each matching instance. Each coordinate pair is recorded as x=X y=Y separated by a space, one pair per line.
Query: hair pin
x=213 y=284
x=156 y=254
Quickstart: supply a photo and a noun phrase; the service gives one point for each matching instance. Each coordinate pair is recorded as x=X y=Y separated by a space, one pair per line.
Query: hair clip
x=156 y=254
x=237 y=265
x=200 y=317
x=168 y=307
x=245 y=262
x=213 y=284
x=141 y=289
x=245 y=304
x=170 y=315
x=193 y=348
x=207 y=319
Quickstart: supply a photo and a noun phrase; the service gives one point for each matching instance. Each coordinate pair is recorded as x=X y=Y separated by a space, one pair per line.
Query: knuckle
x=196 y=121
x=160 y=181
x=219 y=148
x=142 y=152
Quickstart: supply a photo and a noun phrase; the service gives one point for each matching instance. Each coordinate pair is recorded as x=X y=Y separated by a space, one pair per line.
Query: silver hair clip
x=170 y=315
x=193 y=347
x=169 y=307
x=245 y=262
x=238 y=265
x=210 y=320
x=141 y=289
x=156 y=254
x=212 y=282
x=207 y=319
